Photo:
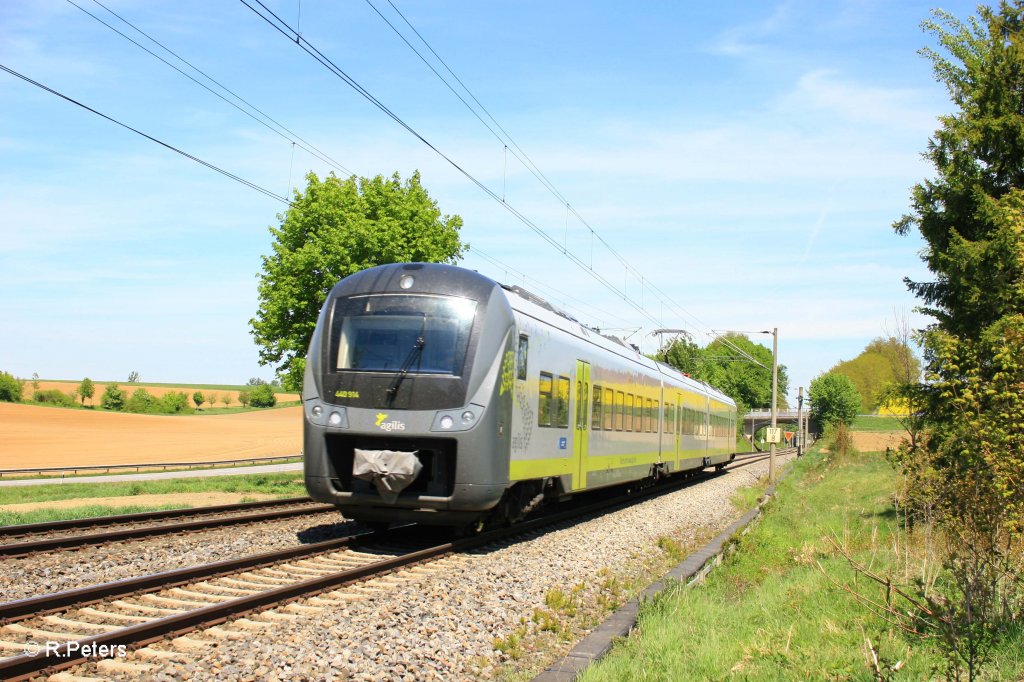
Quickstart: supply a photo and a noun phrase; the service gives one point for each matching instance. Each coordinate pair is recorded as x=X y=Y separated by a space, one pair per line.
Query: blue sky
x=746 y=159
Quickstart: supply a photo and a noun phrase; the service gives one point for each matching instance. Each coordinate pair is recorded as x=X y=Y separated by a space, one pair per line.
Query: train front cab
x=455 y=422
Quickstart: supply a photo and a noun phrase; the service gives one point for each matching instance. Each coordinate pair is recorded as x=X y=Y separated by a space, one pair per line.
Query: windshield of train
x=393 y=333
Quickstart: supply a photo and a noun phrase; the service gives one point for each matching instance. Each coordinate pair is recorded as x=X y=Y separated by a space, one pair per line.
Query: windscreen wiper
x=414 y=353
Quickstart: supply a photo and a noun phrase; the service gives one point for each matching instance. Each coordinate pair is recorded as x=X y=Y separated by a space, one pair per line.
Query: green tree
x=262 y=396
x=10 y=388
x=742 y=370
x=966 y=470
x=334 y=229
x=834 y=399
x=112 y=398
x=969 y=213
x=173 y=402
x=733 y=364
x=686 y=356
x=243 y=398
x=198 y=398
x=141 y=402
x=86 y=389
x=882 y=364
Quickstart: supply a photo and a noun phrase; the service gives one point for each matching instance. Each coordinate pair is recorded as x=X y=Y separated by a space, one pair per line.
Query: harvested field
x=868 y=441
x=155 y=391
x=46 y=436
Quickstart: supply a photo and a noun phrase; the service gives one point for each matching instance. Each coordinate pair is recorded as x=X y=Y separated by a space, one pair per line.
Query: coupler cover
x=391 y=471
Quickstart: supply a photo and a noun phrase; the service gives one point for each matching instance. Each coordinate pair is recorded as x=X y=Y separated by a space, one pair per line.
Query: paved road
x=195 y=473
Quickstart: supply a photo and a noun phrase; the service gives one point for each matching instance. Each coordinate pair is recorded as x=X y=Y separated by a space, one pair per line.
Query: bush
x=198 y=398
x=53 y=397
x=10 y=388
x=243 y=398
x=174 y=402
x=262 y=396
x=141 y=402
x=113 y=398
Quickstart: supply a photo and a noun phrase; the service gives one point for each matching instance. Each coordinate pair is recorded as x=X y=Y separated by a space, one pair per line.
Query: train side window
x=669 y=415
x=562 y=403
x=650 y=420
x=638 y=416
x=544 y=400
x=595 y=410
x=608 y=416
x=627 y=422
x=620 y=404
x=656 y=417
x=521 y=352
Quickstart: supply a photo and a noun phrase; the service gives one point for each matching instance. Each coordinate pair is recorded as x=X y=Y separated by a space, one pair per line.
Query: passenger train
x=436 y=395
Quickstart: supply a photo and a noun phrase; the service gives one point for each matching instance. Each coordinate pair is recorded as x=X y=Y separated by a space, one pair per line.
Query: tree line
x=257 y=394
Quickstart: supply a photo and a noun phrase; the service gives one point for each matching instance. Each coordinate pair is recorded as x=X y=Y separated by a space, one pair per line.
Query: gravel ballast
x=32 y=576
x=486 y=615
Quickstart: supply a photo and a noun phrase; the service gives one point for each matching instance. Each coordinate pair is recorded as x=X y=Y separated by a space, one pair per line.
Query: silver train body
x=434 y=394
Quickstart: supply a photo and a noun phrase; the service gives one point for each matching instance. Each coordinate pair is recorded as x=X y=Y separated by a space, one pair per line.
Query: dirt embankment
x=35 y=436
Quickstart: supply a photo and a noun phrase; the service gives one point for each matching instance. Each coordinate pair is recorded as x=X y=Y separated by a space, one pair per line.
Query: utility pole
x=800 y=421
x=775 y=400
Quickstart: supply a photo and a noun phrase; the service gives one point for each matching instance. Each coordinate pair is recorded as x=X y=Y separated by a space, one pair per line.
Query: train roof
x=530 y=304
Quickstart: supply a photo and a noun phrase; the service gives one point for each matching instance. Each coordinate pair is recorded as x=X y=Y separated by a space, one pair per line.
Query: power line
x=541 y=286
x=174 y=149
x=292 y=35
x=508 y=140
x=276 y=128
x=528 y=163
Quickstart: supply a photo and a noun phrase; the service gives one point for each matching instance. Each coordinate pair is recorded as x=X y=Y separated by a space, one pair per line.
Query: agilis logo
x=393 y=425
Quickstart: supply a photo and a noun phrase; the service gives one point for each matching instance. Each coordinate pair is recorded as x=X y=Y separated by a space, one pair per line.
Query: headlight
x=334 y=419
x=317 y=410
x=447 y=422
x=468 y=417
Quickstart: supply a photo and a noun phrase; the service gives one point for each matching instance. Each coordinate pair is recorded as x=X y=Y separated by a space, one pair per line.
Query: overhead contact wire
x=515 y=147
x=288 y=135
x=171 y=147
x=285 y=30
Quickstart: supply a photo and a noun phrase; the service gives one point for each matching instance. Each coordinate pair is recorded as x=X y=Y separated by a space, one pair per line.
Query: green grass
x=146 y=468
x=285 y=484
x=84 y=512
x=769 y=613
x=873 y=423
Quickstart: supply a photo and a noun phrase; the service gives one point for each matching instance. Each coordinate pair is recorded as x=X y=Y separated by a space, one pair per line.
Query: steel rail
x=19 y=549
x=25 y=666
x=13 y=611
x=118 y=519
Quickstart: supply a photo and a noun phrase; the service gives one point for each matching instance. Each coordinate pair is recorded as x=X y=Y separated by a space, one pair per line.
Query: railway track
x=56 y=631
x=28 y=539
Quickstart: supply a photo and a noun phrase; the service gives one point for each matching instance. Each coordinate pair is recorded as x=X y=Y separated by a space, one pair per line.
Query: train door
x=707 y=431
x=581 y=427
x=677 y=428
